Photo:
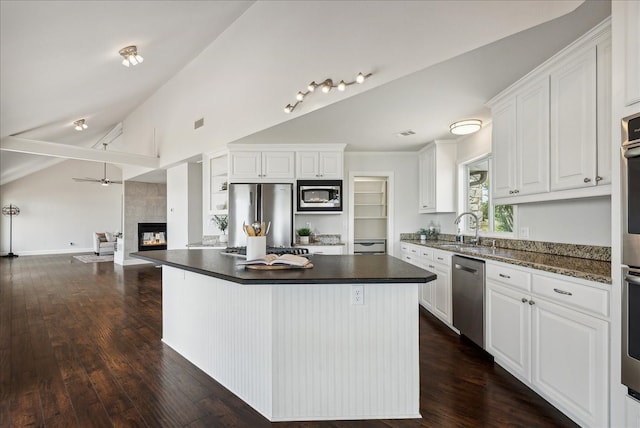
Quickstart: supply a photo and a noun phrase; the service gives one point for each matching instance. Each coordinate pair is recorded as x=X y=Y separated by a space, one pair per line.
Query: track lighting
x=130 y=56
x=326 y=86
x=464 y=127
x=80 y=125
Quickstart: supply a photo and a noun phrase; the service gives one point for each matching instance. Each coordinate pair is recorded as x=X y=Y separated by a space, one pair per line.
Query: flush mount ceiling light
x=464 y=127
x=130 y=56
x=80 y=125
x=325 y=86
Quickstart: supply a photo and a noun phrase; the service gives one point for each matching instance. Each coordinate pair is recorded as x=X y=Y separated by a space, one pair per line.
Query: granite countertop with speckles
x=583 y=268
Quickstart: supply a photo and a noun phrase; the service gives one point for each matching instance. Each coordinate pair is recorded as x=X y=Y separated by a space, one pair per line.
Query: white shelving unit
x=219 y=173
x=370 y=208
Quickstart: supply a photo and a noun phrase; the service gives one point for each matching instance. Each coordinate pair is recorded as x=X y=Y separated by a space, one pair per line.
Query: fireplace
x=152 y=236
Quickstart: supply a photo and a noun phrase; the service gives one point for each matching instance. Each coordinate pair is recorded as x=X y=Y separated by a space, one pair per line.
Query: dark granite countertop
x=592 y=270
x=327 y=269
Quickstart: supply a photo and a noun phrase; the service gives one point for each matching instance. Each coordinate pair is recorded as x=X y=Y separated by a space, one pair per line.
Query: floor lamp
x=10 y=210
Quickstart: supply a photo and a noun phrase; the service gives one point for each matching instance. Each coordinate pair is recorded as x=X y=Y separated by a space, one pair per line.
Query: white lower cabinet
x=570 y=361
x=561 y=352
x=435 y=296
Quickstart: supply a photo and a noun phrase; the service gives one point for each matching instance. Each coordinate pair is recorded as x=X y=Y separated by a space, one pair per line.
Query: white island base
x=300 y=351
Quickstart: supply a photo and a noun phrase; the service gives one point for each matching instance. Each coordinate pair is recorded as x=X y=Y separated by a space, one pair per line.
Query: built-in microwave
x=319 y=195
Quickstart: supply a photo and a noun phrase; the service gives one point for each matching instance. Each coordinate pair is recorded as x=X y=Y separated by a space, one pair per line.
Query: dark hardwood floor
x=80 y=346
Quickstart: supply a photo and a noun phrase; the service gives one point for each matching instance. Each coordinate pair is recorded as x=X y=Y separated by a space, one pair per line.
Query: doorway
x=370 y=213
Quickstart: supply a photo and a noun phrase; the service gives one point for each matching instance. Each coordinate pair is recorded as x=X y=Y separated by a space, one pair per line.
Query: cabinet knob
x=511 y=192
x=516 y=191
x=501 y=275
x=524 y=300
x=531 y=302
x=587 y=180
x=598 y=178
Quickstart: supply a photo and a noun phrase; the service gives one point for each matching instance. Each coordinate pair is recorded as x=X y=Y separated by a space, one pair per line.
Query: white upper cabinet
x=521 y=142
x=437 y=177
x=573 y=122
x=532 y=138
x=321 y=165
x=551 y=129
x=504 y=148
x=261 y=165
x=632 y=51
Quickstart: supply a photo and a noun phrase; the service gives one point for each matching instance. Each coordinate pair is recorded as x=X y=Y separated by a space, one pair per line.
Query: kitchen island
x=338 y=341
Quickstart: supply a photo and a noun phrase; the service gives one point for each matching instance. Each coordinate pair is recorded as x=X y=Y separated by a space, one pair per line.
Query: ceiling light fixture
x=80 y=125
x=130 y=56
x=326 y=86
x=464 y=127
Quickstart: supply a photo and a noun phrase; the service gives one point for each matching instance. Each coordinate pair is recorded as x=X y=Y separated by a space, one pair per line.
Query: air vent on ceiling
x=198 y=123
x=405 y=133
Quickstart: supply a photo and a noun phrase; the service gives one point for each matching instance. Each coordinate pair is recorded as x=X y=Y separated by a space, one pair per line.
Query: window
x=491 y=219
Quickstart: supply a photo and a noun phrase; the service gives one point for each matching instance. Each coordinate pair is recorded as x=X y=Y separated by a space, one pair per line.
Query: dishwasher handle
x=465 y=268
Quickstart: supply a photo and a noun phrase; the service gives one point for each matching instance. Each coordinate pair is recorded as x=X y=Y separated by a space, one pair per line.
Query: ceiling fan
x=104 y=180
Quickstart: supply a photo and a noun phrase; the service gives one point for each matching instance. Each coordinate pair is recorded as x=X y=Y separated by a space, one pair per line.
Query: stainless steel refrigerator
x=261 y=202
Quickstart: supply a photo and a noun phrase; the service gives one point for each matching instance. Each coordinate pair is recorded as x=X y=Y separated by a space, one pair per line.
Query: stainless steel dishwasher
x=468 y=297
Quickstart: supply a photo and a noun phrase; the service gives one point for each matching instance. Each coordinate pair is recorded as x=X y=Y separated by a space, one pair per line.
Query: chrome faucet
x=476 y=240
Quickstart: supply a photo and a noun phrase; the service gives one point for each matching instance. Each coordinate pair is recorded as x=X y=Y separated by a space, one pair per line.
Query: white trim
x=130 y=262
x=46 y=252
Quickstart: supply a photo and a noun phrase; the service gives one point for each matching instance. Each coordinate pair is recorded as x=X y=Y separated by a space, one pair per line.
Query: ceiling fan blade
x=94 y=180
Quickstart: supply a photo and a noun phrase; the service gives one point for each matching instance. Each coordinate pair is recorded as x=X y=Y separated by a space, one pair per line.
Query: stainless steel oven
x=631 y=253
x=319 y=195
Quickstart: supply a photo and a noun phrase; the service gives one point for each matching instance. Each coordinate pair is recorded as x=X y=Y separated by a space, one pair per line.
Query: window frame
x=463 y=200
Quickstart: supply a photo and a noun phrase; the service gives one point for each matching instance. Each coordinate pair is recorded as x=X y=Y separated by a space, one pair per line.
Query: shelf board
x=371 y=192
x=370 y=205
x=371 y=218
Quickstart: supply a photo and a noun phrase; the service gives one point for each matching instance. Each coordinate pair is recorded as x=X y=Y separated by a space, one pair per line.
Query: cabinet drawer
x=409 y=258
x=582 y=296
x=426 y=253
x=442 y=257
x=506 y=275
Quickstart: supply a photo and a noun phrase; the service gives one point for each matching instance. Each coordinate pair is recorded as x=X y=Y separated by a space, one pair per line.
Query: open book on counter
x=274 y=259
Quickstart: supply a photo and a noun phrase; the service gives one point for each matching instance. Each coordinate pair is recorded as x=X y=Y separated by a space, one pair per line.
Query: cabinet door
x=277 y=164
x=570 y=361
x=507 y=328
x=573 y=123
x=426 y=295
x=532 y=139
x=427 y=180
x=504 y=149
x=307 y=165
x=441 y=304
x=245 y=165
x=330 y=165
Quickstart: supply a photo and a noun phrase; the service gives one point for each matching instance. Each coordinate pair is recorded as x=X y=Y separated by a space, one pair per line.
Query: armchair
x=103 y=243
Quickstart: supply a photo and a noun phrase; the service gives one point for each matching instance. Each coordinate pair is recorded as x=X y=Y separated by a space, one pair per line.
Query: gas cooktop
x=242 y=251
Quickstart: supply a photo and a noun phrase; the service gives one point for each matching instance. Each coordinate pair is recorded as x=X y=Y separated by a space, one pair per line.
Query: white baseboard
x=130 y=262
x=45 y=252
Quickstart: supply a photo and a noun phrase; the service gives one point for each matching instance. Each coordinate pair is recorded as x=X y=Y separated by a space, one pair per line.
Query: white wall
x=184 y=205
x=404 y=166
x=56 y=211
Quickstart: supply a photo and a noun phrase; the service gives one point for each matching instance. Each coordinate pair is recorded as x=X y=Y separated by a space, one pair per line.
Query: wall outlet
x=357 y=294
x=524 y=233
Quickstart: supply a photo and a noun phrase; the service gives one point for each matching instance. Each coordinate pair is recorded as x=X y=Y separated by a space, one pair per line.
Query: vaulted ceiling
x=60 y=62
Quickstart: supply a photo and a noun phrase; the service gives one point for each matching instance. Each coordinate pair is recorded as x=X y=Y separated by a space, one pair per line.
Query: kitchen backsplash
x=572 y=250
